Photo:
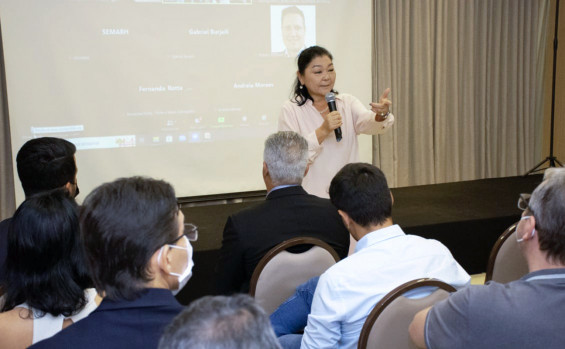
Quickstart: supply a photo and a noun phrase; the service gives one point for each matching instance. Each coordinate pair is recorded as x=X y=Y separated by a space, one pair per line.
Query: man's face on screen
x=293 y=33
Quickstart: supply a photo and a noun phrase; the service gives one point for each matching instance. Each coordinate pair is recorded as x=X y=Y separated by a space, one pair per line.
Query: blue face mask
x=533 y=230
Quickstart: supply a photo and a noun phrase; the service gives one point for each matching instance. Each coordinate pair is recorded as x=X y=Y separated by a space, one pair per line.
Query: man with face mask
x=43 y=164
x=138 y=250
x=526 y=313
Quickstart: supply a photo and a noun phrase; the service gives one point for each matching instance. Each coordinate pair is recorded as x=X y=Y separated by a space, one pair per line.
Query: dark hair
x=547 y=204
x=123 y=223
x=292 y=10
x=45 y=266
x=220 y=322
x=46 y=163
x=301 y=95
x=361 y=191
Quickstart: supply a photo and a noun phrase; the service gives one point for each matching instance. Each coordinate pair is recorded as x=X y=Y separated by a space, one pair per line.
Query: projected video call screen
x=185 y=91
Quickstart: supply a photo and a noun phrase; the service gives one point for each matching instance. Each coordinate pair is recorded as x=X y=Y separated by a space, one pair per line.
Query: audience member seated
x=137 y=251
x=287 y=212
x=43 y=164
x=220 y=322
x=385 y=257
x=526 y=313
x=47 y=280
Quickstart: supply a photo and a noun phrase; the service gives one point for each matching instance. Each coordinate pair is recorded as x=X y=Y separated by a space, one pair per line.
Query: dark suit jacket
x=286 y=213
x=120 y=324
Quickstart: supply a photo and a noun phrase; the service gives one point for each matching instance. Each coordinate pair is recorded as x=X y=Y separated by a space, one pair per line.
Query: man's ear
x=529 y=230
x=69 y=187
x=345 y=217
x=307 y=169
x=163 y=259
x=265 y=169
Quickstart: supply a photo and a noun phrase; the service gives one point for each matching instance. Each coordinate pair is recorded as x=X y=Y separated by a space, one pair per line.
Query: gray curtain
x=7 y=195
x=467 y=88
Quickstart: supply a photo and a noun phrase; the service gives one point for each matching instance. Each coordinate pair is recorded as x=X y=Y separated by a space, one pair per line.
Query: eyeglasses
x=524 y=201
x=190 y=231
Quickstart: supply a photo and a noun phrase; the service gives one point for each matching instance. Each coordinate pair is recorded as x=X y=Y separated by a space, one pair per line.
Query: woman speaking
x=309 y=114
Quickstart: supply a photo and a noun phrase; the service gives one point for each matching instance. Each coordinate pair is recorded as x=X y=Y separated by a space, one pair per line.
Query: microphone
x=330 y=98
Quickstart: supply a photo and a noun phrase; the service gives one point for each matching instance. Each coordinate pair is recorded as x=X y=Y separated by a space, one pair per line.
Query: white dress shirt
x=383 y=260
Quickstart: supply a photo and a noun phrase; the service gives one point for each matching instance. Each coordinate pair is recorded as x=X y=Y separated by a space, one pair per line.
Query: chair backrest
x=506 y=262
x=279 y=272
x=388 y=322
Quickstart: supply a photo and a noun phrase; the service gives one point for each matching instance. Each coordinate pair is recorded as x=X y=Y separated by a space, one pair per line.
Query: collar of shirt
x=281 y=187
x=545 y=274
x=377 y=236
x=309 y=101
x=148 y=298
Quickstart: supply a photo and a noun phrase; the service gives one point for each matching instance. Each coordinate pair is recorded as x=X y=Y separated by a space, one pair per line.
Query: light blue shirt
x=281 y=187
x=383 y=260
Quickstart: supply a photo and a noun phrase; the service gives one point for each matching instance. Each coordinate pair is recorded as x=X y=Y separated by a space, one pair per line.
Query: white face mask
x=533 y=230
x=187 y=273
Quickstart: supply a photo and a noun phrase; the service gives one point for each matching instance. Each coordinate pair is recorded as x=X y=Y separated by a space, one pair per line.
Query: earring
x=301 y=86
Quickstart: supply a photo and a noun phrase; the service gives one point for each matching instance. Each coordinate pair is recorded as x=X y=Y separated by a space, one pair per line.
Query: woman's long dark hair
x=301 y=94
x=45 y=265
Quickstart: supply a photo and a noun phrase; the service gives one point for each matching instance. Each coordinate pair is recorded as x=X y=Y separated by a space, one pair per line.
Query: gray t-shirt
x=527 y=313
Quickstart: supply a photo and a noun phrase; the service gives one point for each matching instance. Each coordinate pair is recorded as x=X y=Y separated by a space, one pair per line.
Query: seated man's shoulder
x=428 y=245
x=519 y=294
x=489 y=309
x=288 y=204
x=250 y=211
x=320 y=201
x=4 y=226
x=72 y=336
x=316 y=201
x=342 y=269
x=483 y=300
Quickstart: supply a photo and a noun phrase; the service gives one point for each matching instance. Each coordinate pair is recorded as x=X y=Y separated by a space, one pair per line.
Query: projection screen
x=186 y=91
